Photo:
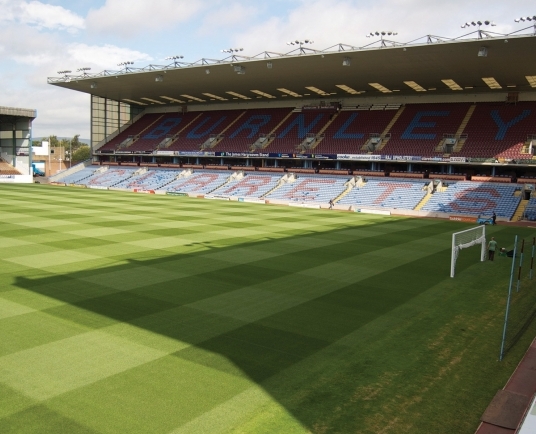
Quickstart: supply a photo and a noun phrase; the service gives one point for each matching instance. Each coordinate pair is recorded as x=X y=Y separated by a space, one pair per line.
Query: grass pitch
x=124 y=313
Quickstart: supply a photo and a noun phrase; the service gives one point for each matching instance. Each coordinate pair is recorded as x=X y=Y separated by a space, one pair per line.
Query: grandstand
x=16 y=144
x=320 y=123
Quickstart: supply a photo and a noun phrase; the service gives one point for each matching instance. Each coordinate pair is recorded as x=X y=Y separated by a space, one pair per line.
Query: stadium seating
x=248 y=129
x=108 y=178
x=7 y=169
x=530 y=210
x=499 y=130
x=310 y=189
x=249 y=186
x=150 y=180
x=467 y=197
x=203 y=126
x=420 y=128
x=137 y=127
x=294 y=130
x=167 y=125
x=351 y=129
x=78 y=177
x=399 y=193
x=199 y=182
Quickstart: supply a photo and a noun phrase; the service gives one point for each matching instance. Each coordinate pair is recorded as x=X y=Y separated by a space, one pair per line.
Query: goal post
x=465 y=239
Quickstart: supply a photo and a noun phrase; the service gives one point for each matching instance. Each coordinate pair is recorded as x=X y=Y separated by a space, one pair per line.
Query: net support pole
x=532 y=256
x=452 y=257
x=501 y=355
x=520 y=264
x=484 y=246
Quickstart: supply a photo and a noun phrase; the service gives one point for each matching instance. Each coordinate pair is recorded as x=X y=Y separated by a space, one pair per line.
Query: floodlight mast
x=301 y=44
x=65 y=72
x=479 y=24
x=533 y=19
x=381 y=34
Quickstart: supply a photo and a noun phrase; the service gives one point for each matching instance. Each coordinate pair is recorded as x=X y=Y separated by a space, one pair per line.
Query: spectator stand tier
x=254 y=186
x=149 y=180
x=351 y=130
x=202 y=182
x=499 y=130
x=306 y=189
x=466 y=197
x=392 y=194
x=421 y=127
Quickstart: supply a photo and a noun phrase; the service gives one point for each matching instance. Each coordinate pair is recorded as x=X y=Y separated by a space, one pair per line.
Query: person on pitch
x=331 y=203
x=493 y=218
x=492 y=245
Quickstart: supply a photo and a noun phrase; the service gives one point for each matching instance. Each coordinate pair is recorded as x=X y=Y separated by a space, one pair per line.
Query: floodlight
x=231 y=50
x=207 y=71
x=269 y=65
x=83 y=70
x=93 y=85
x=159 y=78
x=346 y=61
x=300 y=43
x=65 y=72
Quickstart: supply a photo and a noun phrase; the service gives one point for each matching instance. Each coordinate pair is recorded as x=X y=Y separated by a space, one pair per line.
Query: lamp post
x=381 y=34
x=479 y=24
x=523 y=19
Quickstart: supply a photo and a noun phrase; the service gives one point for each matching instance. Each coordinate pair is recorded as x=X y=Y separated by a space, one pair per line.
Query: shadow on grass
x=258 y=320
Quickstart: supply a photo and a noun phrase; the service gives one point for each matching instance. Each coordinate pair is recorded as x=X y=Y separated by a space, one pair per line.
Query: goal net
x=465 y=239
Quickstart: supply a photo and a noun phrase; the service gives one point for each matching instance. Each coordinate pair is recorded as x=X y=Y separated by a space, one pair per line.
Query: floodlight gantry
x=381 y=34
x=481 y=33
x=301 y=43
x=530 y=19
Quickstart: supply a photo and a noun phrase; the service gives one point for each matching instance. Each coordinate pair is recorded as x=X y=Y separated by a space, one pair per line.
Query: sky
x=39 y=38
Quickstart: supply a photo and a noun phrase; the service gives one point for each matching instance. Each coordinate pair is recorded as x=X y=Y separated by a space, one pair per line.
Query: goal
x=468 y=238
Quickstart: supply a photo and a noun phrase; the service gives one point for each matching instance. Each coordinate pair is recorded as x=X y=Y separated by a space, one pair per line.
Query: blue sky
x=39 y=38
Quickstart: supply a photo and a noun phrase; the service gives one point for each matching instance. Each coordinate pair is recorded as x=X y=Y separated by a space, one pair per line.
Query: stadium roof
x=12 y=112
x=498 y=64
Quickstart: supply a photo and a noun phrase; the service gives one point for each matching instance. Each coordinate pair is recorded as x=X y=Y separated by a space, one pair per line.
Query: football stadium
x=280 y=243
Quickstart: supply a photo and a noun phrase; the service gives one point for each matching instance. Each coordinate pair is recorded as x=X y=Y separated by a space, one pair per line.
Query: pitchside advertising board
x=464 y=219
x=341 y=157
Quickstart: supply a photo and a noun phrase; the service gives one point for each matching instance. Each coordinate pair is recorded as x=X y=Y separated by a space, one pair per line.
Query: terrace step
x=320 y=134
x=461 y=128
x=272 y=133
x=388 y=128
x=520 y=210
x=423 y=201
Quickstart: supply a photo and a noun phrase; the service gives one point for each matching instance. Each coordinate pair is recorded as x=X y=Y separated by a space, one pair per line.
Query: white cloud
x=41 y=15
x=228 y=16
x=127 y=18
x=103 y=56
x=348 y=21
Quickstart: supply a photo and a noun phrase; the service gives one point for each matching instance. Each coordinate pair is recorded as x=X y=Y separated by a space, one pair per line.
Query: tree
x=82 y=153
